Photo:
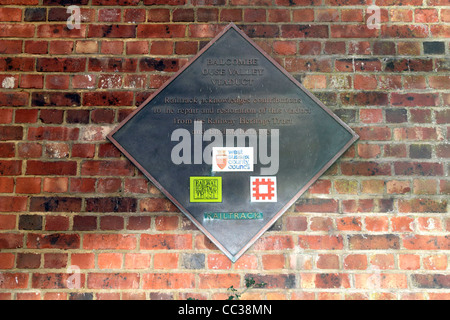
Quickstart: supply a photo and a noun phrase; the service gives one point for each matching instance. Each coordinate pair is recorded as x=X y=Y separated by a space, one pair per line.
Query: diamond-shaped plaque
x=233 y=140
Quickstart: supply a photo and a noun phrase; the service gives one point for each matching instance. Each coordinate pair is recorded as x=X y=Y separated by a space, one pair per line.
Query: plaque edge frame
x=236 y=256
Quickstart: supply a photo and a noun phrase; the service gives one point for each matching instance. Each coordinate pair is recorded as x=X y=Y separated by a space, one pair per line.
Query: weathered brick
x=53 y=241
x=55 y=204
x=374 y=242
x=168 y=280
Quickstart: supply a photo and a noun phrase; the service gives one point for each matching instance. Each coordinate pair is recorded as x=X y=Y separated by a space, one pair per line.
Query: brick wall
x=375 y=226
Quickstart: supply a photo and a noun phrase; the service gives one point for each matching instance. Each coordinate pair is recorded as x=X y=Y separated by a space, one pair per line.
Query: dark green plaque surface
x=232 y=84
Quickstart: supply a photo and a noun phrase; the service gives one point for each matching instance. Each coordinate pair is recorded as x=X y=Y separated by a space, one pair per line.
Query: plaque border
x=232 y=257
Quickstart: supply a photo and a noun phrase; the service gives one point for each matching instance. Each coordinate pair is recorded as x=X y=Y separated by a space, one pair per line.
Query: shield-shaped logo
x=221 y=159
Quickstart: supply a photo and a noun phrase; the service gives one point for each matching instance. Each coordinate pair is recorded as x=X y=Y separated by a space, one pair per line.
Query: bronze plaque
x=232 y=140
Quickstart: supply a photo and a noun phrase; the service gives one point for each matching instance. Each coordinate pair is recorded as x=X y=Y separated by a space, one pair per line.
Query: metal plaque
x=232 y=140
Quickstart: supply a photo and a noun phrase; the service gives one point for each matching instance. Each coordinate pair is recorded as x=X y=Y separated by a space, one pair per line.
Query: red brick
x=309 y=48
x=165 y=260
x=164 y=223
x=400 y=65
x=332 y=280
x=11 y=46
x=207 y=14
x=135 y=82
x=137 y=47
x=53 y=241
x=404 y=31
x=7 y=222
x=31 y=81
x=139 y=222
x=84 y=223
x=83 y=185
x=99 y=241
x=352 y=15
x=6 y=260
x=112 y=31
x=55 y=204
x=353 y=31
x=52 y=280
x=111 y=223
x=57 y=223
x=365 y=168
x=160 y=15
x=14 y=99
x=231 y=15
x=112 y=47
x=107 y=168
x=321 y=242
x=161 y=31
x=55 y=260
x=83 y=260
x=111 y=98
x=415 y=133
x=11 y=240
x=168 y=281
x=14 y=280
x=17 y=30
x=374 y=242
x=60 y=31
x=204 y=30
x=327 y=15
x=371 y=98
x=29 y=150
x=334 y=47
x=309 y=65
x=368 y=151
x=110 y=260
x=28 y=185
x=35 y=167
x=423 y=169
x=6 y=116
x=349 y=224
x=83 y=150
x=354 y=206
x=7 y=150
x=218 y=262
x=137 y=261
x=414 y=99
x=165 y=241
x=6 y=185
x=285 y=47
x=56 y=185
x=426 y=15
x=328 y=261
x=254 y=15
x=134 y=15
x=26 y=116
x=113 y=204
x=422 y=205
x=161 y=48
x=17 y=64
x=10 y=167
x=317 y=205
x=211 y=281
x=321 y=224
x=157 y=205
x=355 y=262
x=304 y=31
x=13 y=204
x=424 y=242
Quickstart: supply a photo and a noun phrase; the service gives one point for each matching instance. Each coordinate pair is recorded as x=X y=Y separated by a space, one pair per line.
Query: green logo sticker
x=205 y=189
